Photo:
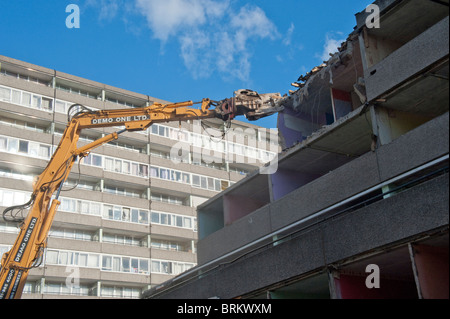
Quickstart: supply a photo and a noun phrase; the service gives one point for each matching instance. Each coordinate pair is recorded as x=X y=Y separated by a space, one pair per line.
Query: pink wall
x=236 y=207
x=354 y=287
x=432 y=268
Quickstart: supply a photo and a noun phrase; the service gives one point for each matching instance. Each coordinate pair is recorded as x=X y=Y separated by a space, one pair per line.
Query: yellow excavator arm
x=28 y=249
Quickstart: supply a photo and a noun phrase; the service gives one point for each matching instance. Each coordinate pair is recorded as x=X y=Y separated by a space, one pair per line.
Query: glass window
x=156 y=266
x=36 y=101
x=163 y=173
x=217 y=185
x=161 y=131
x=26 y=99
x=126 y=264
x=63 y=258
x=5 y=94
x=117 y=213
x=3 y=143
x=13 y=145
x=187 y=222
x=108 y=211
x=210 y=183
x=155 y=217
x=134 y=265
x=109 y=164
x=118 y=166
x=33 y=149
x=95 y=209
x=143 y=266
x=166 y=267
x=16 y=96
x=106 y=263
x=154 y=171
x=116 y=264
x=47 y=104
x=134 y=169
x=82 y=261
x=93 y=261
x=203 y=182
x=44 y=151
x=51 y=257
x=60 y=106
x=143 y=217
x=126 y=214
x=135 y=215
x=96 y=160
x=126 y=167
x=179 y=221
x=195 y=180
x=164 y=219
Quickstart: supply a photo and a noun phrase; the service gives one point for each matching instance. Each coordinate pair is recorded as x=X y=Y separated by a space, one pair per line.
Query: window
x=23 y=147
x=47 y=104
x=13 y=145
x=44 y=151
x=196 y=180
x=106 y=263
x=3 y=143
x=5 y=94
x=60 y=106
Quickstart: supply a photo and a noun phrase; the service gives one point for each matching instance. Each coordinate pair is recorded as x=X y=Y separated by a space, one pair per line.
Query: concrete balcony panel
x=181 y=256
x=173 y=232
x=122 y=278
x=28 y=86
x=79 y=99
x=67 y=219
x=423 y=144
x=409 y=60
x=171 y=208
x=126 y=201
x=26 y=112
x=129 y=228
x=75 y=245
x=125 y=250
x=236 y=235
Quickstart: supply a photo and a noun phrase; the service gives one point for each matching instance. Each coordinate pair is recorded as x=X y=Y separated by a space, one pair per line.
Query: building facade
x=359 y=205
x=127 y=218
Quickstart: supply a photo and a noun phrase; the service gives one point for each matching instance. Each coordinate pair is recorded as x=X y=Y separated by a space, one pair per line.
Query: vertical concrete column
x=193 y=246
x=100 y=235
x=99 y=288
x=41 y=285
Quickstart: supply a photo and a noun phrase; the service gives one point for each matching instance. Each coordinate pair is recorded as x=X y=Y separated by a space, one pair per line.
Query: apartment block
x=358 y=207
x=127 y=219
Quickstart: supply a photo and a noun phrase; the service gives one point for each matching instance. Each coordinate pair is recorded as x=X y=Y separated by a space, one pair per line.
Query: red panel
x=432 y=268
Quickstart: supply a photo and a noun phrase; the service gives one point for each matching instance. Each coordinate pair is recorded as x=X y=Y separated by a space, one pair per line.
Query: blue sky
x=179 y=50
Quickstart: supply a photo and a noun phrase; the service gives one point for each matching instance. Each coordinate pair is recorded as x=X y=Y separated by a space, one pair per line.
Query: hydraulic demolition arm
x=28 y=249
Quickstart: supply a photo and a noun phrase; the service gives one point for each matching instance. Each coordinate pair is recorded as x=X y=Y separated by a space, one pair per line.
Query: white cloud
x=332 y=43
x=212 y=36
x=108 y=8
x=288 y=37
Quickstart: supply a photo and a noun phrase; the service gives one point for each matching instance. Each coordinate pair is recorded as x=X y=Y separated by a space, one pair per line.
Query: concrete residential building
x=359 y=205
x=129 y=221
